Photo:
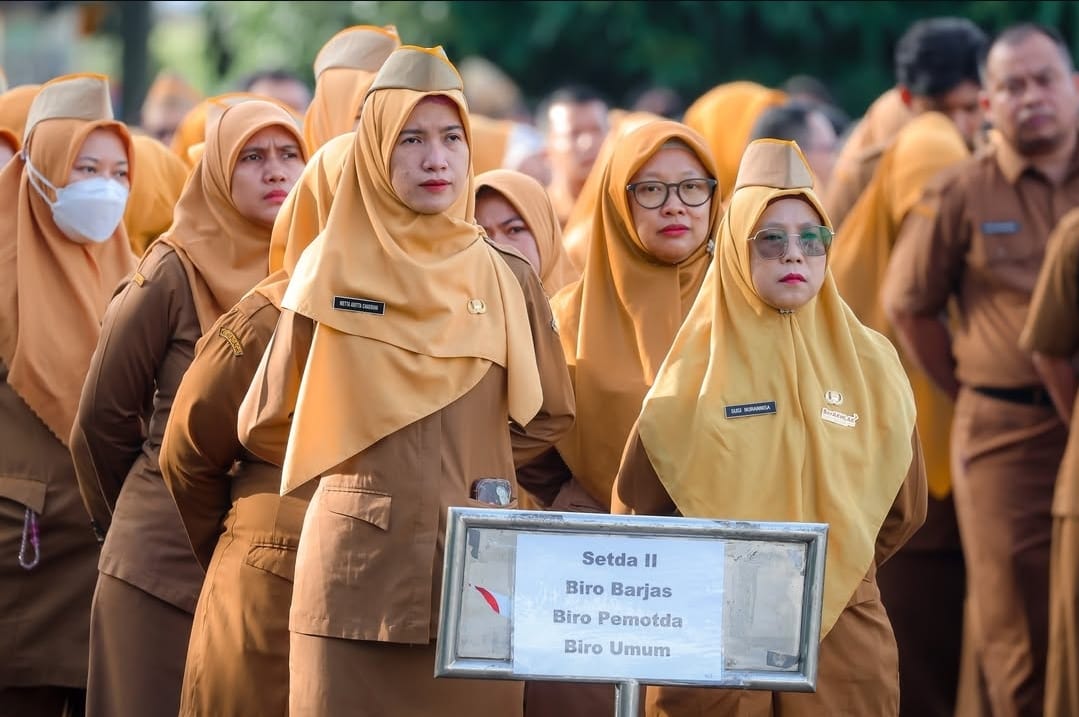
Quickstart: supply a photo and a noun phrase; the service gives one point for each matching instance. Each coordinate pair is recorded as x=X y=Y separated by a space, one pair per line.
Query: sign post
x=630 y=600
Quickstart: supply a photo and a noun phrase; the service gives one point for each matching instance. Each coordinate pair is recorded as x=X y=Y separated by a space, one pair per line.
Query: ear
x=983 y=101
x=1075 y=80
x=906 y=95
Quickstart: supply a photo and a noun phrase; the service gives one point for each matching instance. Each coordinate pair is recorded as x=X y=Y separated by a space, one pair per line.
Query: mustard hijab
x=421 y=301
x=617 y=322
x=725 y=116
x=344 y=69
x=14 y=107
x=53 y=291
x=530 y=200
x=154 y=194
x=223 y=252
x=793 y=465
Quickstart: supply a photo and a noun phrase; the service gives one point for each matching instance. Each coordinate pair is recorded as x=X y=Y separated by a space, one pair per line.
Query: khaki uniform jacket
x=369 y=565
x=44 y=612
x=858 y=668
x=243 y=532
x=147 y=341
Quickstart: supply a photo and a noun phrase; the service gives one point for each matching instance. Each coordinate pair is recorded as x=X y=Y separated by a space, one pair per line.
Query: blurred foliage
x=617 y=47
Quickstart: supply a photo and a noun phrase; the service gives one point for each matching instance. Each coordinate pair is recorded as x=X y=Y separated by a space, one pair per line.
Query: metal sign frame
x=460 y=521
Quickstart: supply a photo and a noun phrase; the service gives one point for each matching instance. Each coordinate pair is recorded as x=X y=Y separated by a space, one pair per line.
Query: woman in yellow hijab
x=446 y=341
x=243 y=531
x=515 y=211
x=657 y=212
x=725 y=116
x=344 y=69
x=776 y=404
x=62 y=252
x=212 y=255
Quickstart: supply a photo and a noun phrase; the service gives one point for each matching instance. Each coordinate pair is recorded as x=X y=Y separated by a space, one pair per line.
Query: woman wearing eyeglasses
x=655 y=216
x=777 y=404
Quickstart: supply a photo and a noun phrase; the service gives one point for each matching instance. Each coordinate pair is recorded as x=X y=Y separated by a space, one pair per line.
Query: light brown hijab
x=344 y=69
x=451 y=307
x=530 y=200
x=223 y=252
x=53 y=291
x=619 y=319
x=154 y=194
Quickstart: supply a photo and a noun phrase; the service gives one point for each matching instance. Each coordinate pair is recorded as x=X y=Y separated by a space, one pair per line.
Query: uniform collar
x=1013 y=165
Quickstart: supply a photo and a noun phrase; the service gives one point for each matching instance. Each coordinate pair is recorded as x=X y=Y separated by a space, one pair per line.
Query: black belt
x=1026 y=395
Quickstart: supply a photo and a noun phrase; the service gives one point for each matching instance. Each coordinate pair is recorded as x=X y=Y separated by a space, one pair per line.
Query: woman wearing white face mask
x=54 y=288
x=214 y=252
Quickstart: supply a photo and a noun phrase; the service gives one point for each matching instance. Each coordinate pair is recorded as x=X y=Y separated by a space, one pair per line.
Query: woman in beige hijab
x=243 y=531
x=212 y=255
x=344 y=69
x=515 y=211
x=657 y=212
x=62 y=252
x=776 y=404
x=445 y=341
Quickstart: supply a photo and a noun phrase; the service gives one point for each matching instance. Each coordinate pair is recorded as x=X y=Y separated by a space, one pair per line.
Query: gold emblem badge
x=477 y=306
x=833 y=397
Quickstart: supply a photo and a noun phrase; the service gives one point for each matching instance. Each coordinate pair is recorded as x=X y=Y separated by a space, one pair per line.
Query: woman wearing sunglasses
x=776 y=404
x=656 y=213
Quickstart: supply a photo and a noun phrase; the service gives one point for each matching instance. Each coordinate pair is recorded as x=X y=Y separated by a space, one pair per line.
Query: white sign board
x=599 y=606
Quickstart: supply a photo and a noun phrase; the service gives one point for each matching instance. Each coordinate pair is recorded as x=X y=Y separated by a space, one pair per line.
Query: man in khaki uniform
x=936 y=64
x=976 y=241
x=1052 y=333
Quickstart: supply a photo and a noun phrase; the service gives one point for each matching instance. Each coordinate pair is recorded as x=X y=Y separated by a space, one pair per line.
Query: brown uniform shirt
x=201 y=452
x=370 y=559
x=147 y=341
x=1053 y=328
x=978 y=237
x=44 y=612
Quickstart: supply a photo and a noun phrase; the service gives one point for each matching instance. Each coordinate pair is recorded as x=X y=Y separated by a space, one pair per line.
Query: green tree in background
x=688 y=45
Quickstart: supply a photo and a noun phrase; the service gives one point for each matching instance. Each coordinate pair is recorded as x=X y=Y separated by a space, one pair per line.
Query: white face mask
x=87 y=211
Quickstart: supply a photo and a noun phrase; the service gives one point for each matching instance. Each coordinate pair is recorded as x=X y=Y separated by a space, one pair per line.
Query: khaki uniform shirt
x=147 y=341
x=369 y=565
x=978 y=237
x=1053 y=328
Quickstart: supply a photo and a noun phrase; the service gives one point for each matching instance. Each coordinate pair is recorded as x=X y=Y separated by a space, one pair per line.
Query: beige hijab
x=344 y=69
x=530 y=200
x=53 y=291
x=619 y=319
x=442 y=304
x=223 y=252
x=793 y=464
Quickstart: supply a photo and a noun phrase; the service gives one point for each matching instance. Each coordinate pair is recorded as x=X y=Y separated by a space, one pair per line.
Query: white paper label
x=595 y=606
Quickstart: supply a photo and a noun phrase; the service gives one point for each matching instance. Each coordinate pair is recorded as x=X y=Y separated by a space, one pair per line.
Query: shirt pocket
x=999 y=244
x=370 y=506
x=26 y=491
x=275 y=558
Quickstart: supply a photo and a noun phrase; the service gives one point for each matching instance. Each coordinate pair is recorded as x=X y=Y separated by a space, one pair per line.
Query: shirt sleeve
x=117 y=397
x=908 y=510
x=929 y=255
x=265 y=415
x=201 y=443
x=637 y=488
x=1053 y=322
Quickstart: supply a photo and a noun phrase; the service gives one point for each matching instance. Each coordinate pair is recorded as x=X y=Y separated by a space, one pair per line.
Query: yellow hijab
x=14 y=107
x=530 y=200
x=617 y=322
x=223 y=252
x=53 y=291
x=154 y=194
x=725 y=116
x=344 y=69
x=734 y=349
x=448 y=305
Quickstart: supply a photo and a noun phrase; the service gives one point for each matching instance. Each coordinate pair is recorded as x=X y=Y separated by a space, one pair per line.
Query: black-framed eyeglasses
x=653 y=195
x=773 y=243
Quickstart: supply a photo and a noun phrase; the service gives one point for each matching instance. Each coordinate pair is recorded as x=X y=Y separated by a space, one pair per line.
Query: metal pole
x=627 y=699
